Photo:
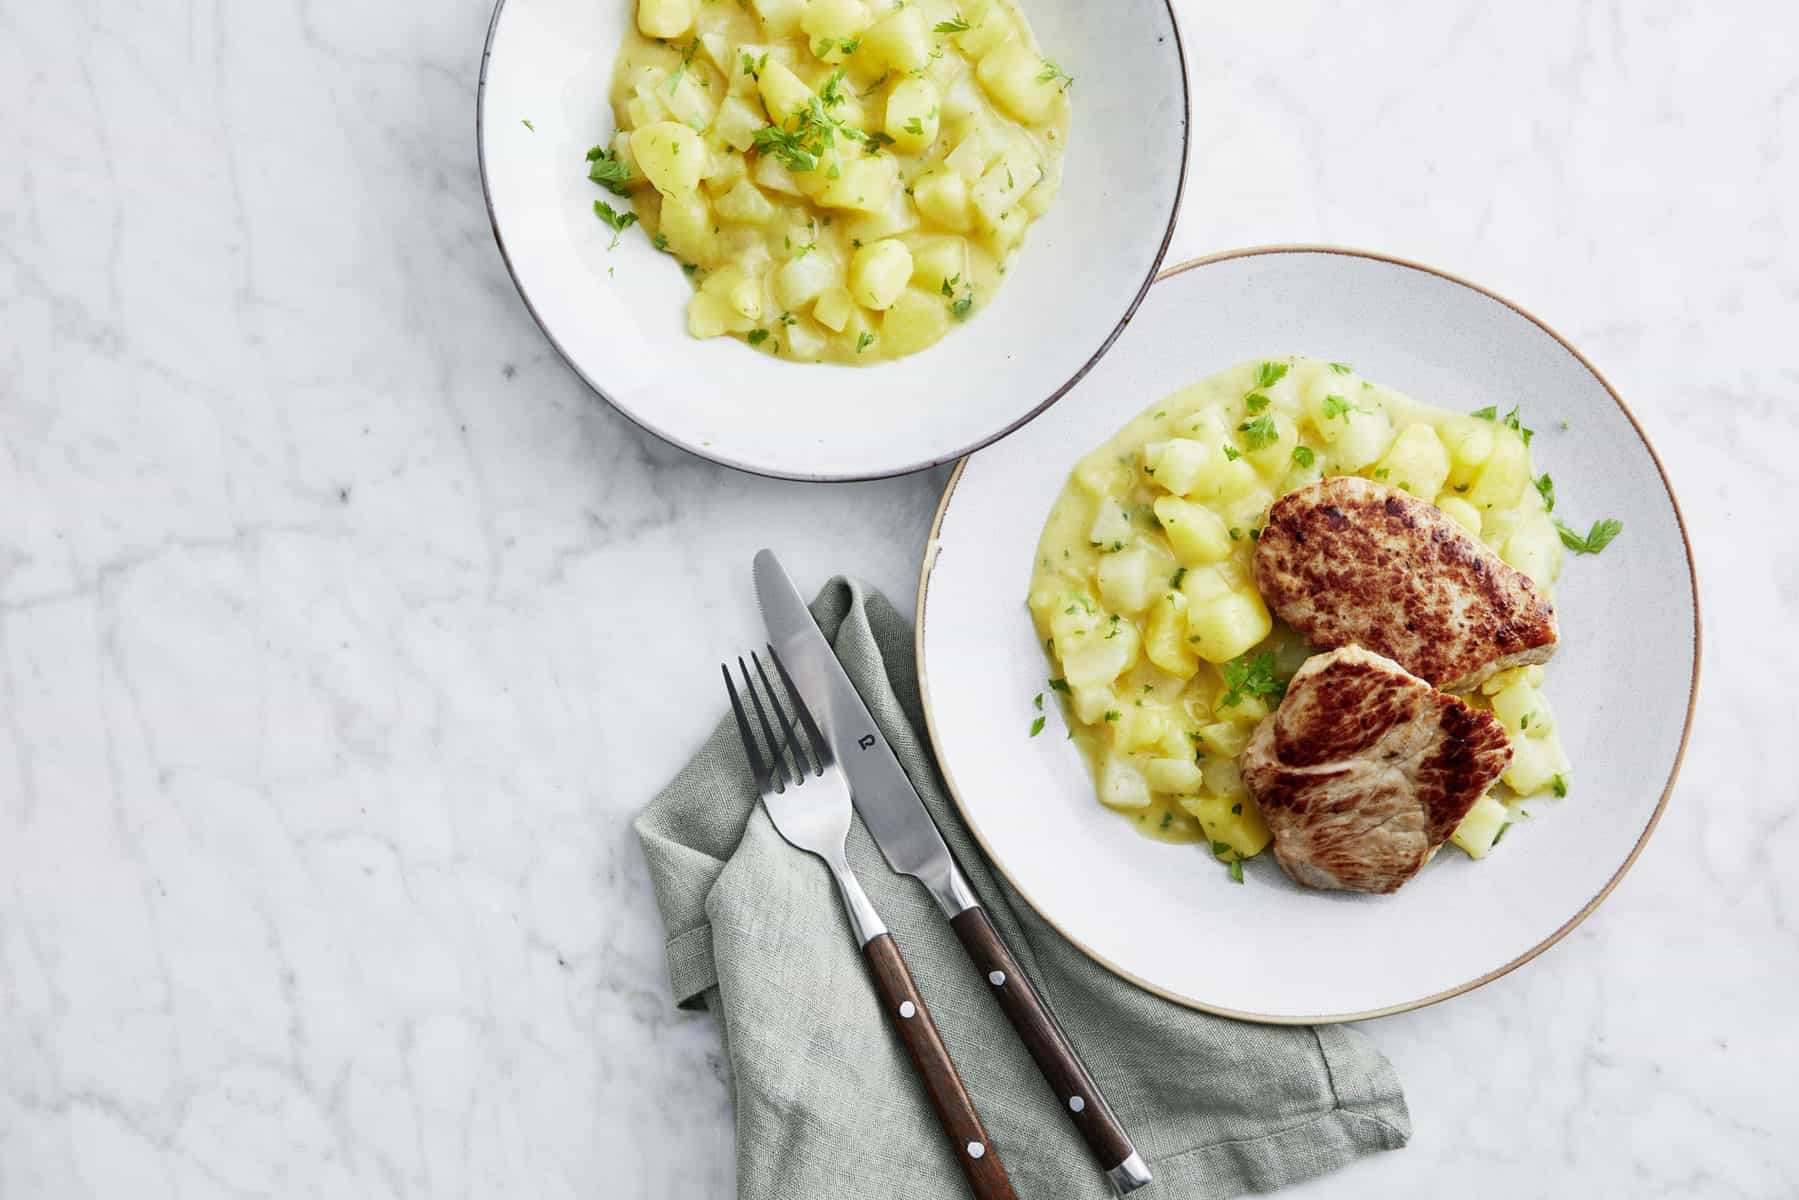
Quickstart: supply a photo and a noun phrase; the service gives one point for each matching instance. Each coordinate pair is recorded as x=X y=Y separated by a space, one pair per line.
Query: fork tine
x=803 y=767
x=774 y=747
x=743 y=729
x=821 y=746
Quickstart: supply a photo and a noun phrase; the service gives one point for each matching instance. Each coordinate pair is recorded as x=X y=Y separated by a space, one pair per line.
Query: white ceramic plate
x=1166 y=916
x=619 y=317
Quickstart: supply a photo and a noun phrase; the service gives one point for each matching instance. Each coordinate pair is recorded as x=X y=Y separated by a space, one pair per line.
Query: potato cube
x=833 y=307
x=897 y=42
x=665 y=18
x=1111 y=525
x=914 y=320
x=1197 y=534
x=1124 y=577
x=973 y=154
x=687 y=224
x=1013 y=75
x=1460 y=511
x=989 y=25
x=780 y=18
x=691 y=102
x=1121 y=782
x=1535 y=764
x=997 y=190
x=1091 y=704
x=737 y=122
x=783 y=93
x=671 y=156
x=1165 y=639
x=939 y=261
x=1470 y=443
x=724 y=169
x=1520 y=709
x=1100 y=657
x=913 y=108
x=833 y=21
x=865 y=184
x=1175 y=776
x=1478 y=829
x=1223 y=621
x=1501 y=480
x=804 y=340
x=741 y=291
x=943 y=198
x=1225 y=739
x=1416 y=462
x=799 y=281
x=1535 y=548
x=745 y=205
x=889 y=220
x=708 y=317
x=1233 y=821
x=770 y=175
x=878 y=273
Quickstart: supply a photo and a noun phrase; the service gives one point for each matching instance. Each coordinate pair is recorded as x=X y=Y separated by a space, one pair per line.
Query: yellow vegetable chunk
x=1478 y=829
x=938 y=262
x=1225 y=739
x=671 y=156
x=737 y=122
x=1501 y=480
x=1124 y=579
x=801 y=280
x=878 y=273
x=1176 y=776
x=1122 y=785
x=745 y=205
x=1461 y=512
x=1535 y=548
x=989 y=25
x=834 y=21
x=1470 y=443
x=1224 y=618
x=1165 y=639
x=865 y=184
x=897 y=42
x=972 y=155
x=687 y=224
x=1233 y=821
x=833 y=307
x=780 y=18
x=1013 y=75
x=1416 y=462
x=1101 y=657
x=664 y=18
x=943 y=198
x=912 y=115
x=913 y=321
x=783 y=93
x=1197 y=534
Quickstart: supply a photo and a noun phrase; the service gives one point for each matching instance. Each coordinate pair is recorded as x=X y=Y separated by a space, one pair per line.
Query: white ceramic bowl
x=1167 y=916
x=619 y=317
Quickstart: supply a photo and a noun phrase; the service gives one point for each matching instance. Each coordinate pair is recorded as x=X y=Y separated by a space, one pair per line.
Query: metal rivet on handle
x=1076 y=1104
x=997 y=978
x=908 y=1009
x=976 y=1150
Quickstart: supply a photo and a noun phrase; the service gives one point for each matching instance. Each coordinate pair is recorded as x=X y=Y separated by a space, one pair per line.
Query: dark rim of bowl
x=1155 y=266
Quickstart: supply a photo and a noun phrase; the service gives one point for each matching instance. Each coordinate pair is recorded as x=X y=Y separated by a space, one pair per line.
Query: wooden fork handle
x=955 y=1111
x=1076 y=1092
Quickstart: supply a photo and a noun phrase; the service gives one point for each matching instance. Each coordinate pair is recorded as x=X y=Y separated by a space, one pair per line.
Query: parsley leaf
x=1037 y=726
x=1052 y=73
x=1180 y=573
x=1303 y=456
x=1500 y=834
x=1598 y=537
x=616 y=221
x=1489 y=413
x=1237 y=869
x=960 y=308
x=1259 y=432
x=1113 y=714
x=1060 y=685
x=1545 y=488
x=1337 y=406
x=1343 y=368
x=674 y=80
x=958 y=25
x=1246 y=676
x=757 y=337
x=1512 y=422
x=1231 y=453
x=609 y=171
x=753 y=66
x=527 y=124
x=915 y=126
x=1560 y=785
x=866 y=340
x=1270 y=373
x=1255 y=402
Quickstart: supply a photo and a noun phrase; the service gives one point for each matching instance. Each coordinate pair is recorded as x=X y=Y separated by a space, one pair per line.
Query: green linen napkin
x=827 y=1105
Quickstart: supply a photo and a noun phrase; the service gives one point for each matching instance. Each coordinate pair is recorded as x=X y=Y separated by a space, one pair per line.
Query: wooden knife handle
x=955 y=1111
x=1076 y=1093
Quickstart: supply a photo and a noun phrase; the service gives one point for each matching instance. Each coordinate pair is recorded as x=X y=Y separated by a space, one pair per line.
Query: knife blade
x=901 y=826
x=883 y=795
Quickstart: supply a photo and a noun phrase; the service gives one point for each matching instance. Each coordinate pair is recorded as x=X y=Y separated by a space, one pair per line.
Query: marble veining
x=342 y=631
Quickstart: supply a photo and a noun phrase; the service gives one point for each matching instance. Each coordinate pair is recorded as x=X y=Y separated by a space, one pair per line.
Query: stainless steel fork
x=809 y=803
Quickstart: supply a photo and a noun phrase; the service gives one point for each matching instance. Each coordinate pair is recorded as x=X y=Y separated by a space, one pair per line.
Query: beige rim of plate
x=924 y=583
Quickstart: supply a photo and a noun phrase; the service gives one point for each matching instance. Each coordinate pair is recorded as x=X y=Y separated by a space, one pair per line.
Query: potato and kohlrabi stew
x=842 y=180
x=1164 y=650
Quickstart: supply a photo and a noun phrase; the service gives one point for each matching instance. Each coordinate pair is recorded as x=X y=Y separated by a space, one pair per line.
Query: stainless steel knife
x=909 y=839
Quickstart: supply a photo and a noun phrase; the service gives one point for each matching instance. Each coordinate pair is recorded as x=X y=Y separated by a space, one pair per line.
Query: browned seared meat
x=1347 y=561
x=1364 y=770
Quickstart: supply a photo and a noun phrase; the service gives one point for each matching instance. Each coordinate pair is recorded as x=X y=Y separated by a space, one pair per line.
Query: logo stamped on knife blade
x=866 y=741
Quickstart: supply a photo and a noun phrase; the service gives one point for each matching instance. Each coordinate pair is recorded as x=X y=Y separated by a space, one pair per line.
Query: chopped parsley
x=1167 y=820
x=608 y=170
x=1236 y=534
x=753 y=66
x=949 y=285
x=1337 y=406
x=1303 y=456
x=616 y=221
x=1382 y=472
x=757 y=337
x=1598 y=537
x=1501 y=833
x=1246 y=676
x=1037 y=702
x=848 y=45
x=660 y=241
x=1259 y=432
x=1270 y=373
x=1180 y=573
x=1051 y=73
x=1237 y=809
x=866 y=340
x=914 y=126
x=1237 y=869
x=811 y=133
x=1255 y=402
x=527 y=124
x=1112 y=714
x=958 y=25
x=1221 y=848
x=1231 y=453
x=1343 y=368
x=1559 y=785
x=1512 y=422
x=1545 y=488
x=1037 y=726
x=959 y=309
x=1060 y=685
x=1489 y=413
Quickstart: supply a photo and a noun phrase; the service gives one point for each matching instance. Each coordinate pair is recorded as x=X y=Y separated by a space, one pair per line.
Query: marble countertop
x=342 y=630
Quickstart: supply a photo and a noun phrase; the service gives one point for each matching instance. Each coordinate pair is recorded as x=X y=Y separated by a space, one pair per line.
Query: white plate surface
x=1165 y=915
x=619 y=317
